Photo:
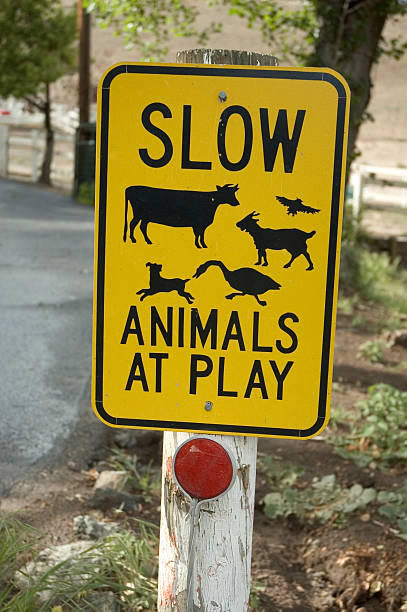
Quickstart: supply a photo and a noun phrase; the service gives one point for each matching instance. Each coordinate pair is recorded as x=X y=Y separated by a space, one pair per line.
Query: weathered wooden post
x=223 y=541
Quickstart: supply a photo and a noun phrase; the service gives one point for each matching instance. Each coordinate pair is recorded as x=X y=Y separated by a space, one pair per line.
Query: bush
x=86 y=194
x=372 y=276
x=380 y=434
x=373 y=350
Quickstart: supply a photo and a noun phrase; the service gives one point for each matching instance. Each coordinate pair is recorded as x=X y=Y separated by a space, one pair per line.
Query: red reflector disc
x=203 y=468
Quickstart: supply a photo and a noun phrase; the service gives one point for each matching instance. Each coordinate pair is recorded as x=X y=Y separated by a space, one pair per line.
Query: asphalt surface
x=46 y=276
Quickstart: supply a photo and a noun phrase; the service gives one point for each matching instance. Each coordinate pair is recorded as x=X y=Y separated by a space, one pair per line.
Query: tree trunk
x=84 y=65
x=348 y=42
x=45 y=176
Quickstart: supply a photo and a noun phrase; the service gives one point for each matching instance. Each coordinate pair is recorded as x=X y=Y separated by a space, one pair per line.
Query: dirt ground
x=296 y=566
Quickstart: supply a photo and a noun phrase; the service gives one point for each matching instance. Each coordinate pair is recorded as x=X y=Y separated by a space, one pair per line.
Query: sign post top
x=219 y=194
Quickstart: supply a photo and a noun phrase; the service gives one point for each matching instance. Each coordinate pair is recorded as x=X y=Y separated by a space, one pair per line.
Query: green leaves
x=36 y=45
x=380 y=434
x=150 y=25
x=291 y=34
x=140 y=478
x=373 y=350
x=325 y=500
x=394 y=508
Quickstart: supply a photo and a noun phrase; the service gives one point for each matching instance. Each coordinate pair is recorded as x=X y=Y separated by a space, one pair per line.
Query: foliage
x=372 y=276
x=346 y=303
x=278 y=25
x=255 y=591
x=124 y=564
x=86 y=194
x=36 y=45
x=139 y=477
x=373 y=350
x=380 y=433
x=17 y=541
x=149 y=25
x=394 y=508
x=280 y=474
x=292 y=32
x=36 y=49
x=338 y=416
x=325 y=500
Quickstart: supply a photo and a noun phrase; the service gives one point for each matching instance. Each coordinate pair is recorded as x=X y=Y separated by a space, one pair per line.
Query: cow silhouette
x=175 y=208
x=159 y=284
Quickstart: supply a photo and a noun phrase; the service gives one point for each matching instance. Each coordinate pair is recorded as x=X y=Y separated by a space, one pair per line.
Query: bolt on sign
x=219 y=202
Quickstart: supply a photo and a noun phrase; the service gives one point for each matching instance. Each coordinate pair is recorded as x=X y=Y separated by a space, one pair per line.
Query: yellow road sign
x=219 y=202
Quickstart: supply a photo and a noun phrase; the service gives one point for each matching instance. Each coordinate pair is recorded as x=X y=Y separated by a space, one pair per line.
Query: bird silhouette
x=245 y=280
x=296 y=206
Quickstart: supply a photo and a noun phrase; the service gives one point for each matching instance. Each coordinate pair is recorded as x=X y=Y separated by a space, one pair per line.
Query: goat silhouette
x=158 y=284
x=292 y=240
x=175 y=208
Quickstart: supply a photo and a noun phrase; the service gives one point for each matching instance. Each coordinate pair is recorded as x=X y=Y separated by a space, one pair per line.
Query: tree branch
x=341 y=28
x=40 y=106
x=357 y=6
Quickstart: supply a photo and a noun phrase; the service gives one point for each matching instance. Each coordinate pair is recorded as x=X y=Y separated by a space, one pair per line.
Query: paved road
x=46 y=268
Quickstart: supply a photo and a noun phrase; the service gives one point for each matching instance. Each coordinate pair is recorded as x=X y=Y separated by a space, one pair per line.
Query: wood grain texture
x=223 y=536
x=226 y=56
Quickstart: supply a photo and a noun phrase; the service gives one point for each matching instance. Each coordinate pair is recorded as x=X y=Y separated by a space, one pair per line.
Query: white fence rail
x=363 y=175
x=22 y=149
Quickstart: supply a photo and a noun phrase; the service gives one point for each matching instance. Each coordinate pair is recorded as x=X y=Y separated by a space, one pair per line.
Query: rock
x=105 y=499
x=88 y=526
x=398 y=337
x=126 y=439
x=110 y=479
x=46 y=559
x=103 y=602
x=136 y=440
x=73 y=466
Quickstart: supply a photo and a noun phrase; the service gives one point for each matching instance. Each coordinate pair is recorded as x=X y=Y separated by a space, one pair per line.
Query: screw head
x=208 y=406
x=222 y=96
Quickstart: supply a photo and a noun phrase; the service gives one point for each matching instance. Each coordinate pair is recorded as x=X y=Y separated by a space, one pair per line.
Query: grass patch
x=139 y=477
x=17 y=544
x=124 y=564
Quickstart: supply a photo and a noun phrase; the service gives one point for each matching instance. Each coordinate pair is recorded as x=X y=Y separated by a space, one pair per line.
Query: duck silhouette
x=245 y=280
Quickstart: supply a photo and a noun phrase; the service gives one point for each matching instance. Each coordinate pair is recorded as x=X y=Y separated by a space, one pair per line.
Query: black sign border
x=313 y=75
